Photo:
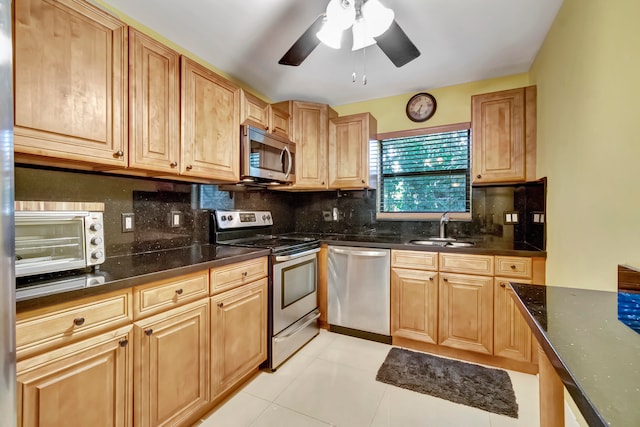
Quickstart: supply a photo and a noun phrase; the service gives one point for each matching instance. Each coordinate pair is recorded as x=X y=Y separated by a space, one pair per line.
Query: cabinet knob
x=148 y=332
x=119 y=153
x=244 y=274
x=173 y=164
x=179 y=291
x=478 y=176
x=189 y=167
x=220 y=304
x=78 y=321
x=503 y=285
x=362 y=181
x=322 y=182
x=431 y=278
x=445 y=279
x=266 y=128
x=513 y=266
x=123 y=342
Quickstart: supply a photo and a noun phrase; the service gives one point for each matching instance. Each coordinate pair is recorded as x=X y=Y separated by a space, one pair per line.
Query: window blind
x=424 y=174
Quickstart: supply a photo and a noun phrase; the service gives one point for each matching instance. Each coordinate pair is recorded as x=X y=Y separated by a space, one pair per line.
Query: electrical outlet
x=175 y=219
x=511 y=217
x=128 y=222
x=538 y=217
x=326 y=215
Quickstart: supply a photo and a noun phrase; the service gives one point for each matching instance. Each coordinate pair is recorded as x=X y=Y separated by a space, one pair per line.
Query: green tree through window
x=426 y=173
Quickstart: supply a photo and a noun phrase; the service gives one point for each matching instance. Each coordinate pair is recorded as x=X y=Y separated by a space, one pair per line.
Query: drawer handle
x=123 y=342
x=244 y=274
x=445 y=279
x=179 y=291
x=220 y=304
x=513 y=266
x=78 y=321
x=148 y=332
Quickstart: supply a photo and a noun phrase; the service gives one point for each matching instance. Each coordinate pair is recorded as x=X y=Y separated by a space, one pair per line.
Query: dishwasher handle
x=355 y=252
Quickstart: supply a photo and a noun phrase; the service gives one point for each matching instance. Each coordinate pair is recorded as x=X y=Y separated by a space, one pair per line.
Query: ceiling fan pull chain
x=364 y=66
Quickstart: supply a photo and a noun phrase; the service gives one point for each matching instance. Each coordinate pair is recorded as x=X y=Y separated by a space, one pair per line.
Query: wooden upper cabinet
x=70 y=71
x=349 y=138
x=262 y=114
x=154 y=104
x=310 y=133
x=210 y=124
x=504 y=136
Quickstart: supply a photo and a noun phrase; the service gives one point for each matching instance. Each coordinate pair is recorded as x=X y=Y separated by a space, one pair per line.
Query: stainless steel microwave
x=52 y=241
x=266 y=157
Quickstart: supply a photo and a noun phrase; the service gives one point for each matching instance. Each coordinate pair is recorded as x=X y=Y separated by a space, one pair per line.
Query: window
x=422 y=173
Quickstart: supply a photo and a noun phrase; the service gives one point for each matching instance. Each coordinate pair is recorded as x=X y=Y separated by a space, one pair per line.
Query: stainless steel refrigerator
x=7 y=251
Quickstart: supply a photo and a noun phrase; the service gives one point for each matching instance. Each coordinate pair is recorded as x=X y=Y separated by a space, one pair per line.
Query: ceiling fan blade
x=397 y=46
x=304 y=45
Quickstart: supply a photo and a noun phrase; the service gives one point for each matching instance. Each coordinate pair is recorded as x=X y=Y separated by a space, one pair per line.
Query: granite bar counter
x=126 y=271
x=596 y=356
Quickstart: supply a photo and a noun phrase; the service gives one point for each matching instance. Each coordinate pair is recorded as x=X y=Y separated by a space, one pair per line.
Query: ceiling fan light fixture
x=330 y=34
x=378 y=17
x=361 y=37
x=341 y=13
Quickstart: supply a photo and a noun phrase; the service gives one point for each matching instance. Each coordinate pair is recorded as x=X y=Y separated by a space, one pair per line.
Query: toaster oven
x=61 y=240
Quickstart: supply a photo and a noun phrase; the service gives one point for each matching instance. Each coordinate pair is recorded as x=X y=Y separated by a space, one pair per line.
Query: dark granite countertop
x=596 y=355
x=129 y=270
x=482 y=246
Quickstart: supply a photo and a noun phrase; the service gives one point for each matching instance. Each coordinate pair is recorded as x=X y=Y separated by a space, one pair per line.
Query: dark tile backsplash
x=152 y=202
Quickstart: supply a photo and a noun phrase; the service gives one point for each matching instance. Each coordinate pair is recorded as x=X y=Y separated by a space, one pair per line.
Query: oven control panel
x=226 y=220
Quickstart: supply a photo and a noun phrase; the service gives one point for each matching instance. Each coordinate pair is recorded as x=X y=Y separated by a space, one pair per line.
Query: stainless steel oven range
x=293 y=285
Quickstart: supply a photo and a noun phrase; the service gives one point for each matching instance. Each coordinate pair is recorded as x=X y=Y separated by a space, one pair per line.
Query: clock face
x=421 y=107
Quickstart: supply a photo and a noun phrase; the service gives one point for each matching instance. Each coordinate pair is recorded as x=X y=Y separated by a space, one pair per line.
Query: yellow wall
x=454 y=104
x=588 y=141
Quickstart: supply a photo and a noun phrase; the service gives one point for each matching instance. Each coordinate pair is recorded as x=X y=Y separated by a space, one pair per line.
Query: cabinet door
x=154 y=104
x=498 y=132
x=310 y=127
x=210 y=124
x=512 y=336
x=88 y=383
x=466 y=312
x=172 y=365
x=254 y=109
x=70 y=74
x=414 y=304
x=239 y=333
x=349 y=150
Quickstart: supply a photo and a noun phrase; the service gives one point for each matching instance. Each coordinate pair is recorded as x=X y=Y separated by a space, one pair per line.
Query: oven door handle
x=306 y=323
x=280 y=258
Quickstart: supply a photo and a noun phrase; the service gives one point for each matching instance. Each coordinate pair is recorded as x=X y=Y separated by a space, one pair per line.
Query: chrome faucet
x=444 y=219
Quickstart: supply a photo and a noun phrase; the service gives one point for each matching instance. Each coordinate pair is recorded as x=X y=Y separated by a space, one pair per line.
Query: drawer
x=233 y=275
x=519 y=267
x=46 y=328
x=159 y=296
x=418 y=260
x=466 y=264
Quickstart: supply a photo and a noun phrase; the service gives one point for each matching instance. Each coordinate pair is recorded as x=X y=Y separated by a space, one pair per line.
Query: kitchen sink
x=442 y=243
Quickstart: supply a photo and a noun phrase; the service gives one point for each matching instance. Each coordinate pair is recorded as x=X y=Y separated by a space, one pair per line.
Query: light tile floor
x=331 y=382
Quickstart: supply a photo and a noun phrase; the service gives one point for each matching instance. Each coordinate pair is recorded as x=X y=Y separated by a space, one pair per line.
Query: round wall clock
x=421 y=107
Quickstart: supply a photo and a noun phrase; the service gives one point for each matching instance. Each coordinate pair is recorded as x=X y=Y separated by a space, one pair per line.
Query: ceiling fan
x=371 y=23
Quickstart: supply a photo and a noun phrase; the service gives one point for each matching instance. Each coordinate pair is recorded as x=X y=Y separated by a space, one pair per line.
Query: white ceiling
x=460 y=41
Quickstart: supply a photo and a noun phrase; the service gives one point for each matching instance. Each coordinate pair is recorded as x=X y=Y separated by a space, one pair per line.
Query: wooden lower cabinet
x=466 y=312
x=512 y=336
x=87 y=383
x=239 y=334
x=172 y=365
x=414 y=304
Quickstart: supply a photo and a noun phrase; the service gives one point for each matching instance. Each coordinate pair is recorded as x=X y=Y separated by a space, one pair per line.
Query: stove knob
x=230 y=217
x=268 y=217
x=223 y=218
x=97 y=255
x=96 y=226
x=96 y=241
x=264 y=217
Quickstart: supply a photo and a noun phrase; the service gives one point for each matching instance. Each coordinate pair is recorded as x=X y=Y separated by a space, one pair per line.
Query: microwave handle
x=286 y=175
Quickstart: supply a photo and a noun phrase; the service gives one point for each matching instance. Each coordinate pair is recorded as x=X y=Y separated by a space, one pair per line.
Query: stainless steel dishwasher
x=359 y=292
